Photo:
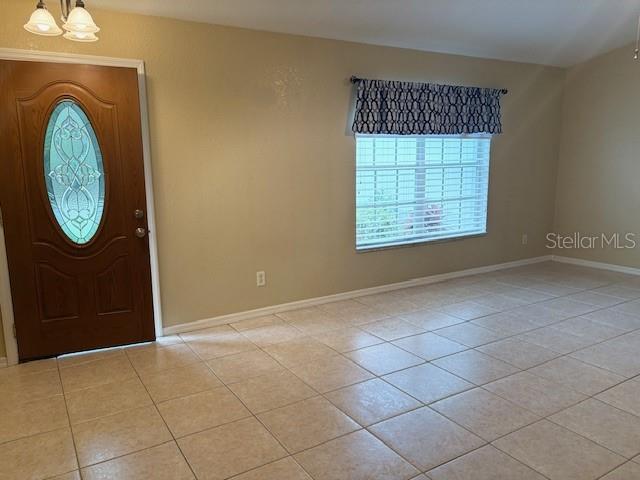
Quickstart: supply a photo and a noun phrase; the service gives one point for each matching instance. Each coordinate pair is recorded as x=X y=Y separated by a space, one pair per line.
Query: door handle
x=140 y=232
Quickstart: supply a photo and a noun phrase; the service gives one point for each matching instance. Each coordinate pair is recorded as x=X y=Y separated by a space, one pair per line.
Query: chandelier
x=77 y=24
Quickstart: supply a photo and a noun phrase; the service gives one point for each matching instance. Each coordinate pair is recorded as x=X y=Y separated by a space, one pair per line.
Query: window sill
x=419 y=243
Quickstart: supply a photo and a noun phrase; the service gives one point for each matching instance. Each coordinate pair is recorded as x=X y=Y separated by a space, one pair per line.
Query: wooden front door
x=72 y=195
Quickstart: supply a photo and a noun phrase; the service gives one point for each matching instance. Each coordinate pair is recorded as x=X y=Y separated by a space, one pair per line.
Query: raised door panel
x=113 y=288
x=58 y=294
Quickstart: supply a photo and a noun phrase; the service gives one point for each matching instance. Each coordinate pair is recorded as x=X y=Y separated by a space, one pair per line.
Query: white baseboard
x=599 y=265
x=3 y=362
x=283 y=307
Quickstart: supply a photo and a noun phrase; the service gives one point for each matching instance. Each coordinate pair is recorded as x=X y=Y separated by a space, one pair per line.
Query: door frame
x=6 y=303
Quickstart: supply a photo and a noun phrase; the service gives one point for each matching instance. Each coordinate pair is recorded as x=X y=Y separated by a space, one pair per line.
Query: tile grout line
x=155 y=406
x=252 y=414
x=129 y=410
x=323 y=395
x=66 y=407
x=423 y=405
x=540 y=418
x=376 y=376
x=366 y=428
x=616 y=467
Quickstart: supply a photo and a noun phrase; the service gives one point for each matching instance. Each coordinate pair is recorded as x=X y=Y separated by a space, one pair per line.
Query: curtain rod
x=355 y=79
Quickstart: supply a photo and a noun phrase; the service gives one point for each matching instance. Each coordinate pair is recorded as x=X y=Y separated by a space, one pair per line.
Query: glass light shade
x=81 y=36
x=41 y=22
x=79 y=20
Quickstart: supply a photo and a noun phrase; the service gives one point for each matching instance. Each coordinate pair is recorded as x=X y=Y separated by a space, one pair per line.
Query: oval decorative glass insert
x=73 y=172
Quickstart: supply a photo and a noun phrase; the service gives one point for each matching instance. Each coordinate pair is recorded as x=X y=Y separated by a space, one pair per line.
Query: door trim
x=6 y=304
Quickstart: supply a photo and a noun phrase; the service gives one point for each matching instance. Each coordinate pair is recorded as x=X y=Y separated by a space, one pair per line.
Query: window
x=413 y=189
x=73 y=172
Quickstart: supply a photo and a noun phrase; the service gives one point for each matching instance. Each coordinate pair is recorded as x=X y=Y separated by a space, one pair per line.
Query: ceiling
x=550 y=32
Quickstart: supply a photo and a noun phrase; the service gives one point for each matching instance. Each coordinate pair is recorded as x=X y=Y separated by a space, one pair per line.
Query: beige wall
x=599 y=170
x=254 y=166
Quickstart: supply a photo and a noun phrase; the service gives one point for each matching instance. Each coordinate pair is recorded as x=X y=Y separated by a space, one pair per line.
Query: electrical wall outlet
x=525 y=238
x=261 y=279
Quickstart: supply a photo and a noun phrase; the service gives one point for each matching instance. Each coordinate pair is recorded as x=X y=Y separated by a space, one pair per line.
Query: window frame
x=406 y=243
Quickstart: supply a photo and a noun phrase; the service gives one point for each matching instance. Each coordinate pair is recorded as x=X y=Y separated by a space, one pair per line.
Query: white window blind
x=412 y=189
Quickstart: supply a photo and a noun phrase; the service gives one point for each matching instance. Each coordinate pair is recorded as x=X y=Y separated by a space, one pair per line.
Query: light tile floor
x=531 y=373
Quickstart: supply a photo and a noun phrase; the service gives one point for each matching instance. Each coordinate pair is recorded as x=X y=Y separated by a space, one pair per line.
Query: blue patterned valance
x=403 y=108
